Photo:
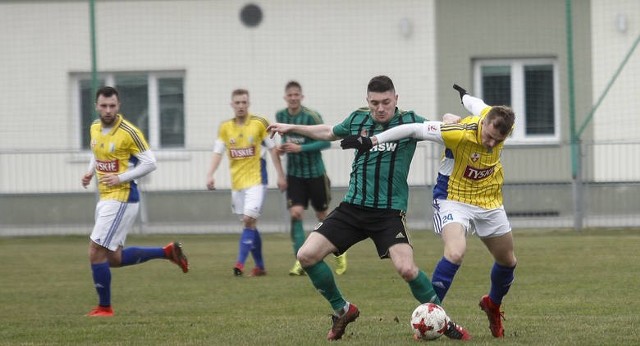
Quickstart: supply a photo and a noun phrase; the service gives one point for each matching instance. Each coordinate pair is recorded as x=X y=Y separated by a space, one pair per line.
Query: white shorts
x=114 y=219
x=483 y=222
x=248 y=201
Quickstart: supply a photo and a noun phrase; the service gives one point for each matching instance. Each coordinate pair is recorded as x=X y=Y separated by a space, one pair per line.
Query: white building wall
x=40 y=43
x=616 y=27
x=332 y=47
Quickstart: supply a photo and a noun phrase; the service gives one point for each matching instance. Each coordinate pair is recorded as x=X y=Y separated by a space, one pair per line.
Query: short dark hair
x=239 y=92
x=107 y=91
x=292 y=84
x=380 y=84
x=502 y=118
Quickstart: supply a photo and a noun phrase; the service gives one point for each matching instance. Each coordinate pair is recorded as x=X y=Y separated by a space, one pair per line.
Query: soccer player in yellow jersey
x=467 y=197
x=120 y=155
x=243 y=138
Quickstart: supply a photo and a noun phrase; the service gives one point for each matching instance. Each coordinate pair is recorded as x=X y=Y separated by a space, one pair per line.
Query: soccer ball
x=429 y=321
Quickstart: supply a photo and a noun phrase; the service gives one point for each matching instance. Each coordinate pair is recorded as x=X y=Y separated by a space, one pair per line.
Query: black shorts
x=349 y=224
x=302 y=190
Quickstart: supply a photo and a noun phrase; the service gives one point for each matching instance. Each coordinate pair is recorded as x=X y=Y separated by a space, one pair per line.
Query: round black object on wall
x=251 y=15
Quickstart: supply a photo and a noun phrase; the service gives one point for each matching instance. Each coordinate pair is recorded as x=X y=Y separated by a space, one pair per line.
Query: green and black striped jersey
x=379 y=176
x=307 y=163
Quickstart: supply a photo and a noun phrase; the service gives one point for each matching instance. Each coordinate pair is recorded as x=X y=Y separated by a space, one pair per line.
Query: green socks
x=297 y=235
x=422 y=289
x=322 y=279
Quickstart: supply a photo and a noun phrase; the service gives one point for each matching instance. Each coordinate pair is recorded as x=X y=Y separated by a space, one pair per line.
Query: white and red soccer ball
x=429 y=321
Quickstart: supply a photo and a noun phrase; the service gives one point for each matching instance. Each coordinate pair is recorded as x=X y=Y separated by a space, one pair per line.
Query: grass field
x=570 y=289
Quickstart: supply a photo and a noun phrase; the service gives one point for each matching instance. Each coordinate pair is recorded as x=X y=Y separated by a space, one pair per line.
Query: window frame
x=153 y=107
x=517 y=67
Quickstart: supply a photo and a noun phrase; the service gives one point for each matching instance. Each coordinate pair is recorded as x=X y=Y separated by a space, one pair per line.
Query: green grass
x=570 y=289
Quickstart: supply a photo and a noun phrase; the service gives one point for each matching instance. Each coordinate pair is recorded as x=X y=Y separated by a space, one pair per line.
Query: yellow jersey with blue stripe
x=114 y=152
x=469 y=172
x=243 y=144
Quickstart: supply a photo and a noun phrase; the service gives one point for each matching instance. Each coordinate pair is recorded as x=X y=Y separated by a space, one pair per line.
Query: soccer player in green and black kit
x=374 y=206
x=307 y=180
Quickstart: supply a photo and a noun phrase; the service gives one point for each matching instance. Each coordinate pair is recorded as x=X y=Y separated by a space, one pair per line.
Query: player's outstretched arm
x=460 y=90
x=473 y=104
x=319 y=132
x=429 y=130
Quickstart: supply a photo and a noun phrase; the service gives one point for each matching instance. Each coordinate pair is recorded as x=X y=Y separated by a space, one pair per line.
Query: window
x=153 y=101
x=530 y=87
